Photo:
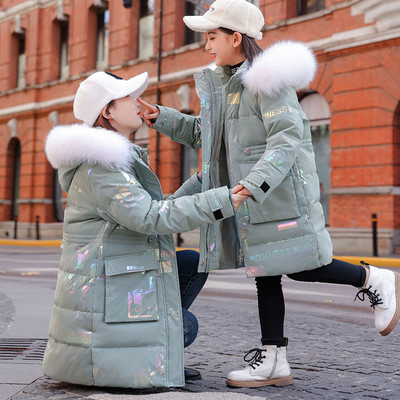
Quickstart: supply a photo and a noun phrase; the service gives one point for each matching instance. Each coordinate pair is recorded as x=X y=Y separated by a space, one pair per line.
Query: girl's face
x=124 y=115
x=225 y=49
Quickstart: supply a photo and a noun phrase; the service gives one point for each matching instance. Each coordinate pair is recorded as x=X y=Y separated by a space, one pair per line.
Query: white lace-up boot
x=383 y=290
x=268 y=366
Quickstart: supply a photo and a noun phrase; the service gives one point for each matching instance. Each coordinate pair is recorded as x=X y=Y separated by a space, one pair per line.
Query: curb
x=376 y=261
x=30 y=243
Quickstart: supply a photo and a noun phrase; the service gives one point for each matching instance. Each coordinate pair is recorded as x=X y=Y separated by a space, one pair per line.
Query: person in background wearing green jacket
x=117 y=314
x=256 y=139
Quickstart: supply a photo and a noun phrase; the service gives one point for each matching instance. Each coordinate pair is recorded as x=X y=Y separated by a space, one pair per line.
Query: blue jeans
x=190 y=284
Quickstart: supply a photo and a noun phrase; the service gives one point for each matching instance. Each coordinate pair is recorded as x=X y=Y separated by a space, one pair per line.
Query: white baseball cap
x=237 y=15
x=95 y=92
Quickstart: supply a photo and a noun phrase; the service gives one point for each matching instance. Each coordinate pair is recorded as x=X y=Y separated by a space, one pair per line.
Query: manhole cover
x=22 y=350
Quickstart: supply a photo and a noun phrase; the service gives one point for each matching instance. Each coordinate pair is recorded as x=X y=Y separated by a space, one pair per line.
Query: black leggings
x=271 y=304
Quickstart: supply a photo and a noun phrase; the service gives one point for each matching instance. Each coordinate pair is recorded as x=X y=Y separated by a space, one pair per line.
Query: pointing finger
x=149 y=106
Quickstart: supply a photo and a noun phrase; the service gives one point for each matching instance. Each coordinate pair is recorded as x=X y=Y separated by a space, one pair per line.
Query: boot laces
x=374 y=297
x=255 y=359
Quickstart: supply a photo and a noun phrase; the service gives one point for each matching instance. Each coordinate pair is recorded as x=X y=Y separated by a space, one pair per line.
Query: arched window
x=317 y=111
x=13 y=175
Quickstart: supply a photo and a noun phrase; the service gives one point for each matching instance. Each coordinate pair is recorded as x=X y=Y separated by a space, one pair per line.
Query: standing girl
x=256 y=139
x=117 y=315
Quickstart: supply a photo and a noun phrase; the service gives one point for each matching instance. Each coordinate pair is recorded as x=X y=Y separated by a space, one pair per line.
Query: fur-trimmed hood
x=284 y=64
x=72 y=145
x=68 y=146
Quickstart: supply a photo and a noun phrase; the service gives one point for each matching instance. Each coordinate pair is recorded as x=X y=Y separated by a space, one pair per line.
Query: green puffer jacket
x=117 y=317
x=253 y=131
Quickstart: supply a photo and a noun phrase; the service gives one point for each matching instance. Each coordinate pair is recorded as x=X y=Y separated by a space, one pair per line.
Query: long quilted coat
x=116 y=319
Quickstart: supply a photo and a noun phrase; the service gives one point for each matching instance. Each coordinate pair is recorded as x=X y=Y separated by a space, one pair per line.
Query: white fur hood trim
x=71 y=145
x=284 y=64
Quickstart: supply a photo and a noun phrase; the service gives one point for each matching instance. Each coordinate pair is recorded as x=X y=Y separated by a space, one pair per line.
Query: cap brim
x=135 y=86
x=198 y=23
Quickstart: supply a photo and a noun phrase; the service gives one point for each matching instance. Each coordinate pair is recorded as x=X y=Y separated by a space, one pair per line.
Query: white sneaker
x=383 y=290
x=268 y=366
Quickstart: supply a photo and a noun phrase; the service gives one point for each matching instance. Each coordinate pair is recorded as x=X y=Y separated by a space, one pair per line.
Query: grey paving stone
x=7 y=312
x=329 y=360
x=6 y=391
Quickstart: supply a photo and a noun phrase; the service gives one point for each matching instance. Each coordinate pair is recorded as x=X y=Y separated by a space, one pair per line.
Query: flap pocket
x=279 y=205
x=131 y=288
x=132 y=263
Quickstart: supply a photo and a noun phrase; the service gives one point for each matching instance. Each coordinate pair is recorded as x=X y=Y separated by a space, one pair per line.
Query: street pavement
x=334 y=352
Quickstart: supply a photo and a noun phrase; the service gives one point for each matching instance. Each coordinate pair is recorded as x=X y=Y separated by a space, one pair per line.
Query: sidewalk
x=24 y=314
x=330 y=358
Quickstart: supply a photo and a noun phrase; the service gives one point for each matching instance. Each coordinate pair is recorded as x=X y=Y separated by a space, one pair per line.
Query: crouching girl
x=117 y=315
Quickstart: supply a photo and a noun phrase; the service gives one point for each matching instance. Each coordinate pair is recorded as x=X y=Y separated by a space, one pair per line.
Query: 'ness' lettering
x=278 y=111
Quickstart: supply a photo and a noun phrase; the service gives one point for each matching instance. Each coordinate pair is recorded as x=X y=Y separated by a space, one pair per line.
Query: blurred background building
x=47 y=47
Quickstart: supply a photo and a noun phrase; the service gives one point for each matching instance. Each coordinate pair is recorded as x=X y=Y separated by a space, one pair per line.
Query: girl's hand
x=237 y=200
x=149 y=112
x=240 y=189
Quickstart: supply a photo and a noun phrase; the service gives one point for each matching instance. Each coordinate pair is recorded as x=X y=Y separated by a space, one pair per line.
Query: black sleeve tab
x=264 y=187
x=218 y=214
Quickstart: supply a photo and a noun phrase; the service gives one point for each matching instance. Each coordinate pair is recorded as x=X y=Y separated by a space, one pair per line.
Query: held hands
x=240 y=189
x=239 y=195
x=237 y=200
x=149 y=112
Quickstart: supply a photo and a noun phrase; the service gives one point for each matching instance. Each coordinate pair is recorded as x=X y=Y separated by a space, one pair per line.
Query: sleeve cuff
x=260 y=193
x=220 y=202
x=162 y=121
x=192 y=185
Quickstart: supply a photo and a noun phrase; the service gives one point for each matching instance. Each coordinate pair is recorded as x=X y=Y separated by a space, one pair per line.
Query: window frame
x=145 y=26
x=190 y=36
x=20 y=60
x=63 y=50
x=303 y=8
x=102 y=37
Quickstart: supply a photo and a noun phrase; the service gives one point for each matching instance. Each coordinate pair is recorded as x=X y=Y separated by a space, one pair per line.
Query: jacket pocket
x=131 y=291
x=252 y=153
x=280 y=204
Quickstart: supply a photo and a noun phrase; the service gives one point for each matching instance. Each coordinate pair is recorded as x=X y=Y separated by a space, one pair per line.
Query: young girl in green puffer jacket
x=256 y=139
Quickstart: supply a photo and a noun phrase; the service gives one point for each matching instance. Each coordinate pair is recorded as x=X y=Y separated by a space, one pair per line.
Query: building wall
x=357 y=46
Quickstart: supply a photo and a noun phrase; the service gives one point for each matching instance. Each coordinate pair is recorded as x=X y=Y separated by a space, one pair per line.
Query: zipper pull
x=241 y=257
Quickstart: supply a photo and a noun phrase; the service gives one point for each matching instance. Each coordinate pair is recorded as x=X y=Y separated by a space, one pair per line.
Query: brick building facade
x=48 y=46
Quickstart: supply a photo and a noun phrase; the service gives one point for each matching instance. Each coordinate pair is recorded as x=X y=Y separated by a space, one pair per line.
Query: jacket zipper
x=241 y=257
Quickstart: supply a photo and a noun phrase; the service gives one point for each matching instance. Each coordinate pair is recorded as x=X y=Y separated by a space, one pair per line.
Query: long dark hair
x=250 y=48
